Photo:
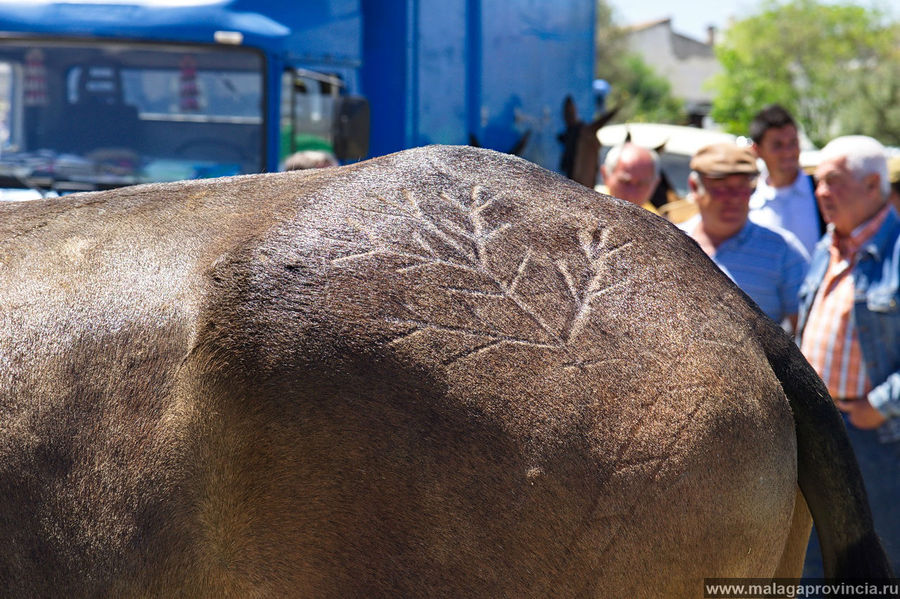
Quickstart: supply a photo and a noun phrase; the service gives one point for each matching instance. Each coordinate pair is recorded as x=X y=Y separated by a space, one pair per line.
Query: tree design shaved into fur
x=463 y=245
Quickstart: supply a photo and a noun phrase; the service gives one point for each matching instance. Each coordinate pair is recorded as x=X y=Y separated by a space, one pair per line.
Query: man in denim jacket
x=849 y=318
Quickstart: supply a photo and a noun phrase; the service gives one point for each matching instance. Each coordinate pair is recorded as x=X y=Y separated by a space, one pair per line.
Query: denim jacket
x=876 y=314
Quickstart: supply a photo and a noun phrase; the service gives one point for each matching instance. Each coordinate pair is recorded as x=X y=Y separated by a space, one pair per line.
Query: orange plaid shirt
x=829 y=341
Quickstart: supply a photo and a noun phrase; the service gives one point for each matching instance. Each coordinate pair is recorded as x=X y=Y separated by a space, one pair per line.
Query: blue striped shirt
x=767 y=264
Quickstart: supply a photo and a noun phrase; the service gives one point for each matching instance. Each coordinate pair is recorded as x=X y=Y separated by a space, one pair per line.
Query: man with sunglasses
x=767 y=264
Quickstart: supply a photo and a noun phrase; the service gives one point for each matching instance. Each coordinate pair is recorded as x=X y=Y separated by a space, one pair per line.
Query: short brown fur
x=441 y=373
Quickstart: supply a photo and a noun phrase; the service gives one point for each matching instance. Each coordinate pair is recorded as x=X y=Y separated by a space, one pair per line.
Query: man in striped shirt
x=850 y=318
x=767 y=264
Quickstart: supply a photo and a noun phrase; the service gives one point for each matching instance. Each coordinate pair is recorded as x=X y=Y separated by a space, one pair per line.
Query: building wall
x=687 y=63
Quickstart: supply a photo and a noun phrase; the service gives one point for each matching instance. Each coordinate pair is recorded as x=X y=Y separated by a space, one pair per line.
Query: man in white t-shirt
x=785 y=195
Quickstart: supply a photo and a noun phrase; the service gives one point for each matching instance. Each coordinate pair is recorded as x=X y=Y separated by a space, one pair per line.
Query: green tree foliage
x=642 y=94
x=835 y=66
x=875 y=109
x=647 y=96
x=609 y=44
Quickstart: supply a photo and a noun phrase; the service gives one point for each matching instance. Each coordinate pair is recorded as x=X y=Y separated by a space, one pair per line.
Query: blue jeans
x=880 y=466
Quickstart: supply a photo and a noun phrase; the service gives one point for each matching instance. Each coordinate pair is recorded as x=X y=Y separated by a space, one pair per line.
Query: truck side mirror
x=351 y=128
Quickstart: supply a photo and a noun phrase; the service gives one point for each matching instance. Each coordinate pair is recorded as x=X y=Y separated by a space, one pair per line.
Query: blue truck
x=97 y=93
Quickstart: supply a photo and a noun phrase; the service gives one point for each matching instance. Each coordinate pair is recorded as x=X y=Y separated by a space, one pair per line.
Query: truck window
x=11 y=129
x=307 y=111
x=106 y=114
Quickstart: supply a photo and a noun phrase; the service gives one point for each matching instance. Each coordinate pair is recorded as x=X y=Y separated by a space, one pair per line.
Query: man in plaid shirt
x=849 y=319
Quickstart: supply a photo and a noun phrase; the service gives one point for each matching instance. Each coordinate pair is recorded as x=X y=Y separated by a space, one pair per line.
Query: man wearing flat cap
x=767 y=264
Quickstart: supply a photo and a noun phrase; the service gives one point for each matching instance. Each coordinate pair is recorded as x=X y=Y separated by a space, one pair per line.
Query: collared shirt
x=830 y=341
x=767 y=264
x=792 y=208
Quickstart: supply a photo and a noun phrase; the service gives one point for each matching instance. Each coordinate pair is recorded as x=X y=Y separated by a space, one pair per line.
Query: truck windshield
x=95 y=115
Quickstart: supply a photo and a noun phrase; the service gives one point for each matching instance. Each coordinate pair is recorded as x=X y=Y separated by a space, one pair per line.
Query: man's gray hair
x=615 y=154
x=864 y=156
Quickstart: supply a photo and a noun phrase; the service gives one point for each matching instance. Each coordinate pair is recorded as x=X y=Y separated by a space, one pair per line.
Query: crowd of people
x=821 y=255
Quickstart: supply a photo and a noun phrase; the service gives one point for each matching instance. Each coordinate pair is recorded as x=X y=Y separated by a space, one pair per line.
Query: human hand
x=861 y=413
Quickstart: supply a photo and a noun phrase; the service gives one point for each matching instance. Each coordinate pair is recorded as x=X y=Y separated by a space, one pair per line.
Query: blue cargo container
x=96 y=94
x=436 y=71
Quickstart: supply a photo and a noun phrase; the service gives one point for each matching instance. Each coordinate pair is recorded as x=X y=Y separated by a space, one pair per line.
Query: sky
x=689 y=18
x=693 y=16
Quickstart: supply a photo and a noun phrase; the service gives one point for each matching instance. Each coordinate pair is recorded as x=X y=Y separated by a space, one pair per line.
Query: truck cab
x=97 y=95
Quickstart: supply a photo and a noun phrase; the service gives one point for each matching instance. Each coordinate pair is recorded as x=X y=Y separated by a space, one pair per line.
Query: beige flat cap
x=723 y=159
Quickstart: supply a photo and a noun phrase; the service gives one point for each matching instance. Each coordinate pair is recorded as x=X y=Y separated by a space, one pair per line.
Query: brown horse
x=440 y=373
x=581 y=146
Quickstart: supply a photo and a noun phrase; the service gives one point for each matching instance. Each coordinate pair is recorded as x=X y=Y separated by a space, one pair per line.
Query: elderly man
x=631 y=173
x=784 y=196
x=769 y=265
x=850 y=318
